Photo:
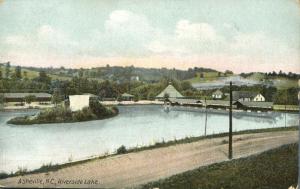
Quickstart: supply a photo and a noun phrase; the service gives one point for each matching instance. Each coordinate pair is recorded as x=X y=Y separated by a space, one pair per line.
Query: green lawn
x=276 y=168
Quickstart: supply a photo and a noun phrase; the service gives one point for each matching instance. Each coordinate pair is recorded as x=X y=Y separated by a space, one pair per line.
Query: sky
x=239 y=35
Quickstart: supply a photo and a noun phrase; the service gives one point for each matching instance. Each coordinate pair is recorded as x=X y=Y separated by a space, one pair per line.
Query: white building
x=259 y=98
x=217 y=94
x=78 y=102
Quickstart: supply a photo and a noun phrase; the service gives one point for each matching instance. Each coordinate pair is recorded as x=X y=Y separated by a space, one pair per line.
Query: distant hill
x=118 y=73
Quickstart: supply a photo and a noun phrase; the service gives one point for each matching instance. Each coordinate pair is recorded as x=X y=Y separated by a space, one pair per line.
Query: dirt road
x=133 y=169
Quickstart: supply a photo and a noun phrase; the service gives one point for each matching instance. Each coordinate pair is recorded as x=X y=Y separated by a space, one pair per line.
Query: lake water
x=34 y=145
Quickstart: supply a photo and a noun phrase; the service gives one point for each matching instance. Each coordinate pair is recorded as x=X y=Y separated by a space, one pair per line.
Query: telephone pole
x=205 y=117
x=230 y=123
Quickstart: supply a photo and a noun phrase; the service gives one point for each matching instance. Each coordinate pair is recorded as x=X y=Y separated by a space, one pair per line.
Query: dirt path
x=137 y=168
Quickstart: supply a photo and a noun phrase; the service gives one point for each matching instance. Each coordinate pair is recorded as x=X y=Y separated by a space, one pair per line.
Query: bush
x=122 y=150
x=98 y=109
x=62 y=114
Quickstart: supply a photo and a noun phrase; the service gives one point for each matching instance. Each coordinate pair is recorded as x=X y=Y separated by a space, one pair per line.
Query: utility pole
x=205 y=116
x=230 y=123
x=285 y=108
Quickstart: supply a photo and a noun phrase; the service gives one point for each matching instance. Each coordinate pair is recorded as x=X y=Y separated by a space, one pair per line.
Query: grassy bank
x=124 y=150
x=62 y=114
x=277 y=168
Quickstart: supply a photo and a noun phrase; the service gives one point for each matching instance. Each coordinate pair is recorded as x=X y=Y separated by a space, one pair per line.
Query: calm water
x=31 y=146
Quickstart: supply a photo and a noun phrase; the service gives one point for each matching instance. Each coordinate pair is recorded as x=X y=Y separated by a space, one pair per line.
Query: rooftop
x=171 y=91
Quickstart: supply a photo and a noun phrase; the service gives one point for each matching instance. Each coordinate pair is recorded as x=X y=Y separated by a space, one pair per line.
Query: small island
x=63 y=114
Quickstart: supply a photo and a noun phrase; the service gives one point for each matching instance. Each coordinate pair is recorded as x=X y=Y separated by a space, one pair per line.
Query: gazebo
x=126 y=96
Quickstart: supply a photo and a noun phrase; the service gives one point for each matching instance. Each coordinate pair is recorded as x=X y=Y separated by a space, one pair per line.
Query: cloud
x=195 y=31
x=188 y=38
x=122 y=22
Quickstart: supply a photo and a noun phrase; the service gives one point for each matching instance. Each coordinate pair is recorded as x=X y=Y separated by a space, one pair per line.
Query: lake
x=31 y=146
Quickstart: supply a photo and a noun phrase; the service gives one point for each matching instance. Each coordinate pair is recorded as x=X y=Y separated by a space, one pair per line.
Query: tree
x=43 y=77
x=228 y=72
x=219 y=74
x=25 y=74
x=56 y=98
x=201 y=75
x=1 y=74
x=7 y=70
x=18 y=74
x=1 y=101
x=30 y=98
x=80 y=74
x=186 y=85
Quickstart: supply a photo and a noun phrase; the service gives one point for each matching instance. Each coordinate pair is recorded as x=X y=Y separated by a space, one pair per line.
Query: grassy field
x=276 y=168
x=207 y=77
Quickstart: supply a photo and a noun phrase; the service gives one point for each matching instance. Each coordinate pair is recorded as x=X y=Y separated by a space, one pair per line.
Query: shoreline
x=55 y=167
x=277 y=108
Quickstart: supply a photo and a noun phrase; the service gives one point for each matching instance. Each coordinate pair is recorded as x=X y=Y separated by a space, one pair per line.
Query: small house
x=217 y=94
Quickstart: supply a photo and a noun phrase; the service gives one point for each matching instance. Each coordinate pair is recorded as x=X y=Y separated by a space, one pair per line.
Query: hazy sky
x=240 y=35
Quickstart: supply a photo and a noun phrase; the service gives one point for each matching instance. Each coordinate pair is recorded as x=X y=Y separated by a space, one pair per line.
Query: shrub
x=122 y=150
x=98 y=109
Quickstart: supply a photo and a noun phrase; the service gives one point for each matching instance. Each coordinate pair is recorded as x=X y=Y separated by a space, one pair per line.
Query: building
x=126 y=96
x=249 y=96
x=254 y=105
x=187 y=102
x=19 y=99
x=217 y=104
x=171 y=92
x=217 y=94
x=78 y=102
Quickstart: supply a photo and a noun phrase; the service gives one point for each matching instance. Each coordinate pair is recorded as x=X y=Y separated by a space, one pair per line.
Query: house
x=78 y=102
x=126 y=96
x=217 y=94
x=254 y=105
x=245 y=96
x=20 y=98
x=171 y=92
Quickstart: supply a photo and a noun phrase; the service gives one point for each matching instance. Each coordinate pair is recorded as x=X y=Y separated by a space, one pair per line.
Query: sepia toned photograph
x=149 y=94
